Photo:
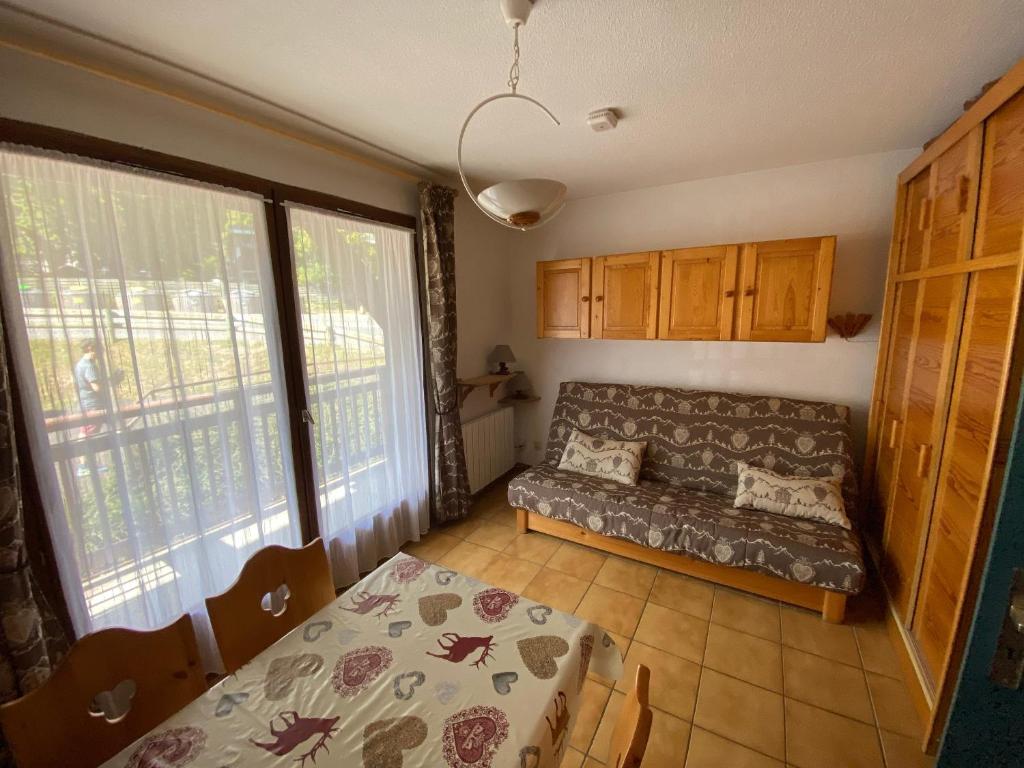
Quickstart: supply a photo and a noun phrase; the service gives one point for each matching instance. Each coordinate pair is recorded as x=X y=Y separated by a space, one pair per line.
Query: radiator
x=490 y=447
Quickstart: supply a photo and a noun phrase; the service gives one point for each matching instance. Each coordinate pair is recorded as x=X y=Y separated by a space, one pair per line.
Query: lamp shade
x=524 y=202
x=502 y=353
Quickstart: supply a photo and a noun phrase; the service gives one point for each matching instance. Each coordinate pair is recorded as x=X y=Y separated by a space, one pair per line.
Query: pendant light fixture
x=523 y=203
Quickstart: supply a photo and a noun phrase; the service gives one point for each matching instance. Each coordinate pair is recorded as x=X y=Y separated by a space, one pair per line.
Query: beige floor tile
x=431 y=546
x=592 y=763
x=669 y=739
x=494 y=536
x=904 y=752
x=893 y=708
x=614 y=611
x=678 y=633
x=502 y=514
x=557 y=590
x=682 y=593
x=827 y=684
x=819 y=739
x=603 y=735
x=876 y=651
x=806 y=631
x=468 y=559
x=673 y=679
x=626 y=576
x=581 y=562
x=572 y=758
x=592 y=703
x=744 y=656
x=742 y=713
x=746 y=613
x=463 y=528
x=709 y=750
x=535 y=547
x=509 y=573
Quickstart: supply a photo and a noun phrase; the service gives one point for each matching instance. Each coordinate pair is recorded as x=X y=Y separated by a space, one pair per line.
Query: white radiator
x=490 y=447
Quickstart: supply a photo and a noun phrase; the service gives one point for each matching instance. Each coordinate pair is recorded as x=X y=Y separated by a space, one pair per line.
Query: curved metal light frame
x=462 y=174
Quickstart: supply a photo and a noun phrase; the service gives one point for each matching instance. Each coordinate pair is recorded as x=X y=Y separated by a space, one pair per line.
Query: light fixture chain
x=513 y=73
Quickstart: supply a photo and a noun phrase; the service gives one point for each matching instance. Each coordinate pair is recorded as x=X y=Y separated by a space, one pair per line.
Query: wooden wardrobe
x=947 y=382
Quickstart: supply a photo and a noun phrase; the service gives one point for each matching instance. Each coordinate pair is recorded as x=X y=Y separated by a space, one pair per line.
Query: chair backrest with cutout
x=248 y=618
x=633 y=728
x=60 y=724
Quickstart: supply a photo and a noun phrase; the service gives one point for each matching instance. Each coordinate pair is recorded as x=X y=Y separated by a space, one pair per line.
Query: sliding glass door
x=357 y=303
x=147 y=343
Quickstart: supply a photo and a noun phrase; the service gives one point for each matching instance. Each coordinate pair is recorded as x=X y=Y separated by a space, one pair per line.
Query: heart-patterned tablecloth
x=415 y=665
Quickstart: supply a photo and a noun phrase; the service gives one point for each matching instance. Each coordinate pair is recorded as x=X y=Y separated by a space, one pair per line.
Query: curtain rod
x=192 y=101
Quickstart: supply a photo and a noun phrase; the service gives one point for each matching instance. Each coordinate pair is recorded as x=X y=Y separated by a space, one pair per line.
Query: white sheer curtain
x=146 y=338
x=357 y=293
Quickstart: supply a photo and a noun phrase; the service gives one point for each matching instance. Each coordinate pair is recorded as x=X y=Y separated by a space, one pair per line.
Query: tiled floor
x=736 y=681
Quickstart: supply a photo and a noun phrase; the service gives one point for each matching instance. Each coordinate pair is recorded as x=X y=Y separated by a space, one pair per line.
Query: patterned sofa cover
x=683 y=501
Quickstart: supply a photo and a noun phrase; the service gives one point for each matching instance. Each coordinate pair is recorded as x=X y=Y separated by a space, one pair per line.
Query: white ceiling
x=705 y=87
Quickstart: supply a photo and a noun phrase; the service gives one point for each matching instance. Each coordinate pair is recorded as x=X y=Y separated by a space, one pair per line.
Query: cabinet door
x=624 y=304
x=1001 y=205
x=939 y=311
x=967 y=455
x=953 y=202
x=698 y=289
x=563 y=299
x=916 y=221
x=893 y=391
x=786 y=286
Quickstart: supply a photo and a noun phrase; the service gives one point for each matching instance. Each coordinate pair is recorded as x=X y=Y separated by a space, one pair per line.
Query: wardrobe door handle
x=748 y=292
x=584 y=299
x=925 y=220
x=964 y=192
x=599 y=298
x=893 y=429
x=924 y=456
x=729 y=294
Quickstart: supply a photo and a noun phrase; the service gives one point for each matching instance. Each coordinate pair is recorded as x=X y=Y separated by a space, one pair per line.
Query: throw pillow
x=616 y=460
x=811 y=498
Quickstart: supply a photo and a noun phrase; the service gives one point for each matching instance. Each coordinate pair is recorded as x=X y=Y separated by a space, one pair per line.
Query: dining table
x=415 y=665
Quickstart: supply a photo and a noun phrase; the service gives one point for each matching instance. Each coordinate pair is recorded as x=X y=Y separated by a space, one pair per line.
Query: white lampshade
x=524 y=202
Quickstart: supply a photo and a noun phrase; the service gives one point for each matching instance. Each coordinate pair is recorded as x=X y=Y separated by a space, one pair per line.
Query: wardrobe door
x=915 y=222
x=967 y=455
x=890 y=428
x=953 y=202
x=563 y=299
x=698 y=289
x=939 y=310
x=1001 y=206
x=624 y=304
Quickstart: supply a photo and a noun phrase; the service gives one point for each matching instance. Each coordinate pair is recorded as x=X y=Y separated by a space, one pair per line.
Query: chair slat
x=633 y=728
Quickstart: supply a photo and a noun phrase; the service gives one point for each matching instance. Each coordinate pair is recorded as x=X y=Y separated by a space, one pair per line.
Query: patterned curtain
x=449 y=480
x=31 y=638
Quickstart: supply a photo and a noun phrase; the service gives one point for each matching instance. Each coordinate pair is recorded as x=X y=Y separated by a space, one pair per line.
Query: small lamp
x=502 y=354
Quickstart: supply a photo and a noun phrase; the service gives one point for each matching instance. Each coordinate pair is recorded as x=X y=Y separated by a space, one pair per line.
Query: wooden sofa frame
x=831 y=605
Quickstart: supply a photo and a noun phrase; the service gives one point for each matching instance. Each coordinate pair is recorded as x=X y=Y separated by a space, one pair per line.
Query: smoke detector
x=602 y=119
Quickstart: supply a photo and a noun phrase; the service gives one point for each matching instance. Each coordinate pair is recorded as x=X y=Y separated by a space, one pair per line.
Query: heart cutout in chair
x=114 y=704
x=539 y=654
x=434 y=608
x=384 y=741
x=276 y=602
x=283 y=672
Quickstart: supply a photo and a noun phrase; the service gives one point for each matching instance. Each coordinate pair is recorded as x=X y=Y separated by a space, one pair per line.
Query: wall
x=44 y=92
x=851 y=198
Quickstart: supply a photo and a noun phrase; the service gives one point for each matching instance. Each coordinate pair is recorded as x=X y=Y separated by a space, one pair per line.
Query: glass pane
x=148 y=334
x=356 y=285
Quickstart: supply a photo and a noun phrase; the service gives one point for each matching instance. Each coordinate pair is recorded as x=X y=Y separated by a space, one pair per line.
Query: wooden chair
x=58 y=723
x=629 y=739
x=244 y=618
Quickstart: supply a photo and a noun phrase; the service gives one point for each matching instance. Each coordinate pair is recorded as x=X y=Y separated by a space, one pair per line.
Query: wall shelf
x=513 y=400
x=491 y=380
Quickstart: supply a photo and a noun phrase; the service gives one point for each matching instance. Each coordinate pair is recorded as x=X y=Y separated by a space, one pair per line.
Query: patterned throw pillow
x=815 y=498
x=615 y=460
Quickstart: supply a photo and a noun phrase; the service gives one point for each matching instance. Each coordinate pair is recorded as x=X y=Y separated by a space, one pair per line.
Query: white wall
x=851 y=198
x=43 y=92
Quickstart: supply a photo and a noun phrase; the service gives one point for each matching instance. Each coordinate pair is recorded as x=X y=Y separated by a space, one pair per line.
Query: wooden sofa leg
x=833 y=608
x=522 y=521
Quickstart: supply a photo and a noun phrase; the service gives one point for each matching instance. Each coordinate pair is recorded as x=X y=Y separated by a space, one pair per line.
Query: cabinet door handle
x=925 y=219
x=584 y=299
x=924 y=457
x=893 y=429
x=749 y=292
x=729 y=294
x=599 y=298
x=964 y=191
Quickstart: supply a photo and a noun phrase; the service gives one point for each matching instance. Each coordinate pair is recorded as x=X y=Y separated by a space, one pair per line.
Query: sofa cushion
x=695 y=438
x=615 y=460
x=696 y=523
x=810 y=498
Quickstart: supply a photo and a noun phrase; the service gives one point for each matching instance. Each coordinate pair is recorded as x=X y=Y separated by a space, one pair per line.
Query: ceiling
x=705 y=87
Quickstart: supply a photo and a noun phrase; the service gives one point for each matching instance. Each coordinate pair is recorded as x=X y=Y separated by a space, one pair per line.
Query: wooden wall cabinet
x=698 y=293
x=563 y=299
x=785 y=288
x=951 y=355
x=624 y=296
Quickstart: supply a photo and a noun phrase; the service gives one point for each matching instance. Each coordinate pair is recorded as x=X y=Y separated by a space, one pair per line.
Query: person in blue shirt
x=92 y=398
